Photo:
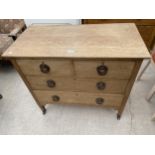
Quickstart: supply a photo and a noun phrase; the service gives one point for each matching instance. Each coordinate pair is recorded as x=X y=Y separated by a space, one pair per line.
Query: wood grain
x=73 y=84
x=73 y=54
x=80 y=41
x=80 y=68
x=148 y=34
x=136 y=21
x=45 y=97
x=87 y=68
x=146 y=27
x=57 y=67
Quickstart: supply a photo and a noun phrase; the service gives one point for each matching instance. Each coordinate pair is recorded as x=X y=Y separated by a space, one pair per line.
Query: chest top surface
x=79 y=41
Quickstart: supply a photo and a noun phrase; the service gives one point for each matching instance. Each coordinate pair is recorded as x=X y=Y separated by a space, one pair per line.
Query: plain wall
x=57 y=21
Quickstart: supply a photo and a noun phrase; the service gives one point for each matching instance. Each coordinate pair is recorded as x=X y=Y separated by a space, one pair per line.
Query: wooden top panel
x=79 y=41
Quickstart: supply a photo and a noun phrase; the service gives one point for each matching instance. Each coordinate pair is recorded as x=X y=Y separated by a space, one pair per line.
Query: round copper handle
x=51 y=83
x=101 y=85
x=44 y=68
x=99 y=100
x=102 y=70
x=55 y=98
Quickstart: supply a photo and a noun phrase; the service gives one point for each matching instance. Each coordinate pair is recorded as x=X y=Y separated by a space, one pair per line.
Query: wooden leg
x=1 y=96
x=143 y=70
x=43 y=110
x=150 y=94
x=118 y=116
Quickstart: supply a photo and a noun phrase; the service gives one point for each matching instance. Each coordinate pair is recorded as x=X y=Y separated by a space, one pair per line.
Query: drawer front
x=87 y=85
x=100 y=99
x=104 y=69
x=46 y=67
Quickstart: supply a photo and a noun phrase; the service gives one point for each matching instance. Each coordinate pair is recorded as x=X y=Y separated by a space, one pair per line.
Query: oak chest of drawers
x=82 y=64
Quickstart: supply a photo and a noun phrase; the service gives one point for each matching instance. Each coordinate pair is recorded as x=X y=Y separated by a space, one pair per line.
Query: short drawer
x=46 y=97
x=104 y=69
x=71 y=84
x=46 y=67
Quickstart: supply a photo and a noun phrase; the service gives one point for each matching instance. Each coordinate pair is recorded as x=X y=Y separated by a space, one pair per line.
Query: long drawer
x=101 y=99
x=77 y=68
x=73 y=84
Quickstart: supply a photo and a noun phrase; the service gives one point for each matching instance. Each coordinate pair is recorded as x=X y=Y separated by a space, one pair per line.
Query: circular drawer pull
x=44 y=68
x=102 y=70
x=51 y=83
x=99 y=100
x=55 y=98
x=101 y=85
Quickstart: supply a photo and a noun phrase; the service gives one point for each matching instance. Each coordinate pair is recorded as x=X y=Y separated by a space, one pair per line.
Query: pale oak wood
x=87 y=68
x=79 y=68
x=80 y=41
x=57 y=67
x=76 y=84
x=146 y=27
x=119 y=46
x=45 y=97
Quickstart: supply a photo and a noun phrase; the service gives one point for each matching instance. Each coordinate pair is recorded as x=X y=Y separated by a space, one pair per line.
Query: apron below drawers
x=72 y=84
x=47 y=97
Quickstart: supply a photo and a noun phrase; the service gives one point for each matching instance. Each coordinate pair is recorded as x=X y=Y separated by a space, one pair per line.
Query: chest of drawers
x=82 y=64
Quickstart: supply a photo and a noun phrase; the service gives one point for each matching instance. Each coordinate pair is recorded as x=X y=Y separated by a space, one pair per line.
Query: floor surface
x=19 y=113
